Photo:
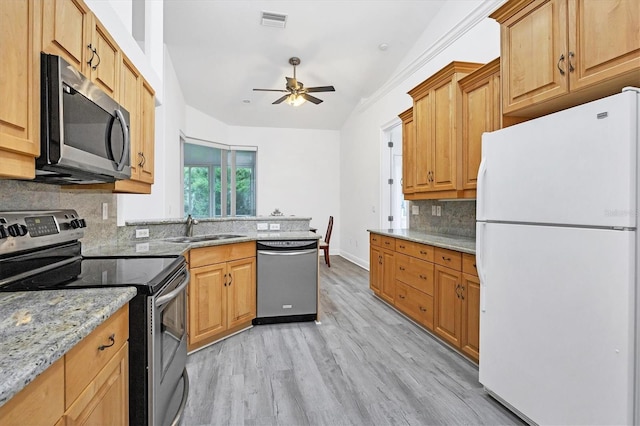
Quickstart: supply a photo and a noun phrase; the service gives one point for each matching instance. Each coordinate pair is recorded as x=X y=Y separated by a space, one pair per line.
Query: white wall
x=297 y=173
x=360 y=156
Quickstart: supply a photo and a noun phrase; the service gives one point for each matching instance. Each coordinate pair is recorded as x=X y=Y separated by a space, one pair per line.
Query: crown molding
x=472 y=19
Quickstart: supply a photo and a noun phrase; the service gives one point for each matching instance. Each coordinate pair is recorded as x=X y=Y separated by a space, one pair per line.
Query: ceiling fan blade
x=269 y=90
x=311 y=98
x=280 y=100
x=292 y=83
x=320 y=89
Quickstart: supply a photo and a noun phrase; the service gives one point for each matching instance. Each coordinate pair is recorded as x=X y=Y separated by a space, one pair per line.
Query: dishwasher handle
x=287 y=253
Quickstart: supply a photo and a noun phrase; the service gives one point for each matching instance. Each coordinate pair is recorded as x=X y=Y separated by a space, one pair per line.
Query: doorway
x=394 y=209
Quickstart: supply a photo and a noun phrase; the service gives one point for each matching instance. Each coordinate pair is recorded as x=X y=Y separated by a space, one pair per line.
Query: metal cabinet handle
x=424 y=277
x=401 y=268
x=93 y=67
x=230 y=280
x=423 y=252
x=401 y=296
x=380 y=260
x=462 y=292
x=225 y=280
x=571 y=55
x=558 y=64
x=457 y=291
x=423 y=309
x=93 y=53
x=112 y=338
x=447 y=259
x=401 y=246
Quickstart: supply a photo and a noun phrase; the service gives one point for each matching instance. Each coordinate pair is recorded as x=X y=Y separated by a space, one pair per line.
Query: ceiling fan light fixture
x=273 y=19
x=295 y=100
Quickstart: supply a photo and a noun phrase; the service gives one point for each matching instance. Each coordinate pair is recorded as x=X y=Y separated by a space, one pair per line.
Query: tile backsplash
x=456 y=217
x=23 y=195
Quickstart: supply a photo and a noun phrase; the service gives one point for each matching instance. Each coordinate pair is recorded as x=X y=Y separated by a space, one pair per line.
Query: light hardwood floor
x=365 y=364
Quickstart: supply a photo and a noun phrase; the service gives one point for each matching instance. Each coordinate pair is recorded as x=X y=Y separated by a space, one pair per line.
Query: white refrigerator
x=557 y=254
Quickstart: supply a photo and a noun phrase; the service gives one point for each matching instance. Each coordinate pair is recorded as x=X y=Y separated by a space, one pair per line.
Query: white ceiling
x=221 y=52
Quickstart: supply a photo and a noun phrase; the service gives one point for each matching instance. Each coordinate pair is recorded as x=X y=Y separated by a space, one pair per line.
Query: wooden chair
x=324 y=245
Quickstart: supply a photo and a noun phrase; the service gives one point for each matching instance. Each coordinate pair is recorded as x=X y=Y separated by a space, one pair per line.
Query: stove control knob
x=3 y=232
x=17 y=230
x=75 y=224
x=82 y=223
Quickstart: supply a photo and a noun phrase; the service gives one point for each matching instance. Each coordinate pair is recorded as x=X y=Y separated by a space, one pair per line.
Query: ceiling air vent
x=272 y=19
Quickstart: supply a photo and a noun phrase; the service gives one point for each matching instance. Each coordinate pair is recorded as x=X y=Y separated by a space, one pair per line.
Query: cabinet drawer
x=40 y=402
x=449 y=258
x=388 y=243
x=216 y=254
x=421 y=251
x=469 y=264
x=415 y=304
x=375 y=240
x=84 y=361
x=415 y=272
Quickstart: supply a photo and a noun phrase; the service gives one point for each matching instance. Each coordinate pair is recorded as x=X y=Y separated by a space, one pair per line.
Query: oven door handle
x=40 y=270
x=183 y=402
x=173 y=293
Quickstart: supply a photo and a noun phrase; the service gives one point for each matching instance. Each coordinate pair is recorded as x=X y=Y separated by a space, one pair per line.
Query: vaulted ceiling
x=221 y=51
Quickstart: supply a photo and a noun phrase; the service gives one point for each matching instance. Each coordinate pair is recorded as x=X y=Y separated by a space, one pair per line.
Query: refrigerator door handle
x=480 y=239
x=482 y=171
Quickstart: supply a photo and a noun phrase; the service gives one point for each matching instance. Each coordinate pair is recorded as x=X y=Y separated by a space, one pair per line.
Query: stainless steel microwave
x=84 y=133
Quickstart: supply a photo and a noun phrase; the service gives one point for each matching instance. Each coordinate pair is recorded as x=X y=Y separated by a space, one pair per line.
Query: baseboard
x=364 y=264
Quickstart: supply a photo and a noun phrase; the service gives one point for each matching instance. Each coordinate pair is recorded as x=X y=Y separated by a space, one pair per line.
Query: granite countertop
x=38 y=327
x=167 y=248
x=452 y=242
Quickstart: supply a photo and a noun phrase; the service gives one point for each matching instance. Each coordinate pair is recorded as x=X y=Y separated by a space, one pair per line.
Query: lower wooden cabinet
x=87 y=386
x=221 y=293
x=437 y=288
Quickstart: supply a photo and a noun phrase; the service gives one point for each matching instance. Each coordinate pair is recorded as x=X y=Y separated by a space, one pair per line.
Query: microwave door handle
x=125 y=136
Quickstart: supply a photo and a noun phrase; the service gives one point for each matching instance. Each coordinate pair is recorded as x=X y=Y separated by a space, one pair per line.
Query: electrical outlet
x=105 y=211
x=433 y=210
x=415 y=210
x=142 y=233
x=274 y=227
x=439 y=211
x=263 y=226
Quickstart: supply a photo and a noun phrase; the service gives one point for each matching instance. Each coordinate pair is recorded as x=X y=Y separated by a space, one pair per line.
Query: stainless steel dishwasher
x=287 y=281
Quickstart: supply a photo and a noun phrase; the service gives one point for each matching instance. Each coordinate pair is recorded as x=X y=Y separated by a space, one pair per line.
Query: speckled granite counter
x=39 y=327
x=452 y=242
x=166 y=248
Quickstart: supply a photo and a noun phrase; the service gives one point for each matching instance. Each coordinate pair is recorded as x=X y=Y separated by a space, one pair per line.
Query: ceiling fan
x=297 y=94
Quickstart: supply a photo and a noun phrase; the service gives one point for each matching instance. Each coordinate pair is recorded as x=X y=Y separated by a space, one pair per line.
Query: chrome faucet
x=190 y=222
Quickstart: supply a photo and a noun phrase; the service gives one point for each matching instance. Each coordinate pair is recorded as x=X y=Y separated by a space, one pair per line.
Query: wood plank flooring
x=365 y=364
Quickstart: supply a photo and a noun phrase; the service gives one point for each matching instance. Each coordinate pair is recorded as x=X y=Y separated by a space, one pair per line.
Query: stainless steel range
x=40 y=250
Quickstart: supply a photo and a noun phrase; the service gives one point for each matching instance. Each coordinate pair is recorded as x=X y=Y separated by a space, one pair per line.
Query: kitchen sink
x=201 y=238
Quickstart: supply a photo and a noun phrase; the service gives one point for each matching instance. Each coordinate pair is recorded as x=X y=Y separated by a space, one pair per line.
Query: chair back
x=327 y=236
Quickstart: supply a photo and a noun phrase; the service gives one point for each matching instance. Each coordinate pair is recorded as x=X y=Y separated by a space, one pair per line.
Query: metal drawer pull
x=423 y=277
x=402 y=268
x=423 y=252
x=448 y=259
x=112 y=338
x=558 y=64
x=423 y=309
x=401 y=247
x=401 y=296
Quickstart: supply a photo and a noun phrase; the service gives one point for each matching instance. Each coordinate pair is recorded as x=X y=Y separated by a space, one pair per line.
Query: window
x=218 y=180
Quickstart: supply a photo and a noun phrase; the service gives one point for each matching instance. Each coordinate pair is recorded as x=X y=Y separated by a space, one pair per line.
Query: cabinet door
x=423 y=119
x=20 y=88
x=604 y=40
x=448 y=304
x=408 y=157
x=148 y=132
x=66 y=31
x=106 y=400
x=534 y=58
x=388 y=284
x=207 y=302
x=105 y=67
x=130 y=99
x=375 y=269
x=443 y=164
x=470 y=338
x=241 y=291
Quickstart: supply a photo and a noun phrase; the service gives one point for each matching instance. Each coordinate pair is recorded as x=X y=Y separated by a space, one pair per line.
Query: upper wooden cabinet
x=70 y=30
x=559 y=53
x=437 y=114
x=20 y=88
x=408 y=151
x=481 y=113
